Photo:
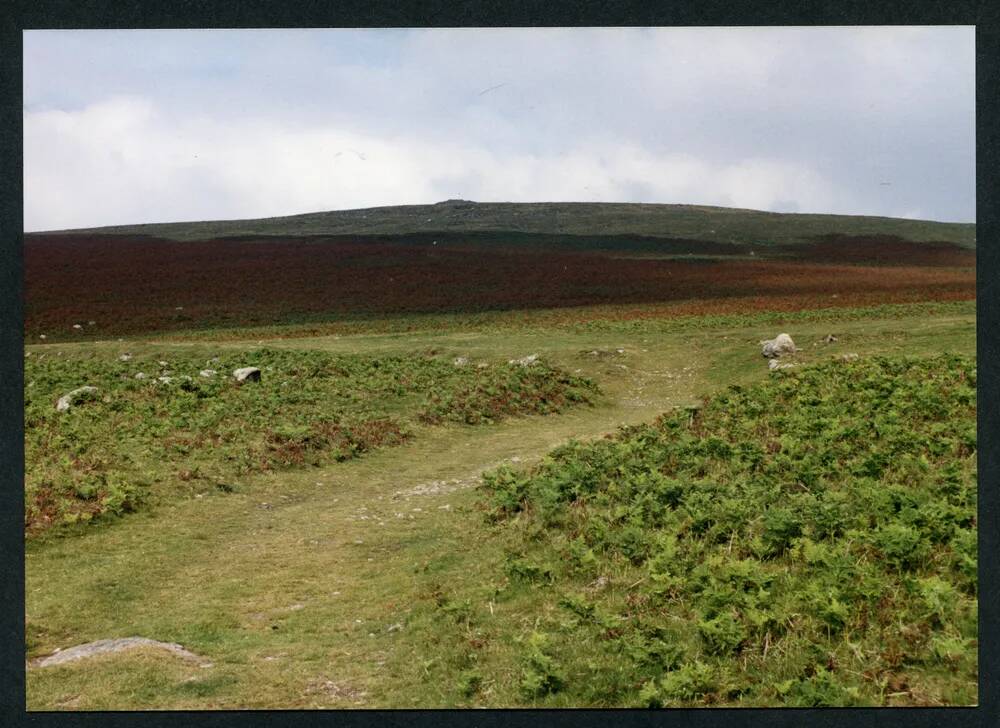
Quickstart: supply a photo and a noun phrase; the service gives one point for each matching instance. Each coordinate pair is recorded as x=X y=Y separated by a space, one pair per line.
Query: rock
x=77 y=326
x=124 y=357
x=848 y=357
x=775 y=364
x=781 y=344
x=247 y=374
x=461 y=361
x=91 y=323
x=77 y=396
x=42 y=336
x=165 y=380
x=207 y=373
x=526 y=361
x=101 y=647
x=830 y=339
x=140 y=375
x=163 y=363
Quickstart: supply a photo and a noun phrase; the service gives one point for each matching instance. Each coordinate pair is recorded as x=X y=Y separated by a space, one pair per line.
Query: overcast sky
x=156 y=126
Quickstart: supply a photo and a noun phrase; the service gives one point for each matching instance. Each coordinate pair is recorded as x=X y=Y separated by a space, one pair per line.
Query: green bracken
x=803 y=541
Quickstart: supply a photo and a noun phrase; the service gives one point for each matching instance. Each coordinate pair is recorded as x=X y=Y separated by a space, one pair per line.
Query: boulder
x=526 y=361
x=77 y=396
x=247 y=374
x=779 y=345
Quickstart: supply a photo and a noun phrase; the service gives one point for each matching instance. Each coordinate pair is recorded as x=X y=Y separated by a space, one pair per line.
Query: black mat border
x=409 y=13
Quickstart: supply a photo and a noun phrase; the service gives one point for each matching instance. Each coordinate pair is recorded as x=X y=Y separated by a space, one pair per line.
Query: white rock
x=460 y=361
x=526 y=361
x=848 y=357
x=781 y=344
x=77 y=396
x=124 y=357
x=140 y=375
x=207 y=373
x=163 y=363
x=42 y=336
x=165 y=380
x=77 y=326
x=775 y=364
x=247 y=374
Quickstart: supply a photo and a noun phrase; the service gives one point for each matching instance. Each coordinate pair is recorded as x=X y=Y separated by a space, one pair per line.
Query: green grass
x=696 y=222
x=293 y=583
x=175 y=431
x=799 y=542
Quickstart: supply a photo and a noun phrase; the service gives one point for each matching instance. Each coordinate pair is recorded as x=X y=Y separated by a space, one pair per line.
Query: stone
x=247 y=374
x=526 y=361
x=848 y=357
x=77 y=326
x=775 y=364
x=76 y=397
x=207 y=373
x=101 y=647
x=779 y=345
x=830 y=339
x=124 y=357
x=460 y=361
x=140 y=375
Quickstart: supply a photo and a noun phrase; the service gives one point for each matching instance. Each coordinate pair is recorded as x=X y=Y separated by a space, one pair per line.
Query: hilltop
x=690 y=222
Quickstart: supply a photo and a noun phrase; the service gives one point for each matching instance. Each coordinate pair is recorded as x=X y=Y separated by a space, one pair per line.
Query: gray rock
x=247 y=374
x=140 y=375
x=102 y=647
x=124 y=357
x=77 y=396
x=779 y=345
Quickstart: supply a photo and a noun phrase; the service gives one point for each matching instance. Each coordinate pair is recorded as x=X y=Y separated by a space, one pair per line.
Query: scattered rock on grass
x=125 y=357
x=140 y=375
x=779 y=345
x=461 y=361
x=77 y=396
x=101 y=647
x=247 y=374
x=207 y=373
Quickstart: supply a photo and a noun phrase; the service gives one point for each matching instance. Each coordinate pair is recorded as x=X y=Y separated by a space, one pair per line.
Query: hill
x=693 y=222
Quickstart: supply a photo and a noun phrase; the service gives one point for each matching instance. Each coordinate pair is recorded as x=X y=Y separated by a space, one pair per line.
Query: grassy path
x=367 y=583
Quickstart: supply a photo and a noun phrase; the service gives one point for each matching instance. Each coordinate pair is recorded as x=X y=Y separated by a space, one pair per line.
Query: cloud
x=123 y=160
x=131 y=126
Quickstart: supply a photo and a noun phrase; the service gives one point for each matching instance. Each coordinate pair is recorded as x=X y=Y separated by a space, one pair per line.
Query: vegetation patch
x=806 y=541
x=176 y=420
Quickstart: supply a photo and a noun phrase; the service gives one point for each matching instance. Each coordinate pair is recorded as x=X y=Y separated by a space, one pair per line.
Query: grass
x=826 y=516
x=294 y=583
x=187 y=424
x=695 y=222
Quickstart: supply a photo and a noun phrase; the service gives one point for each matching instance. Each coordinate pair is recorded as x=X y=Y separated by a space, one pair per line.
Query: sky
x=138 y=126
